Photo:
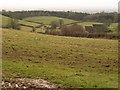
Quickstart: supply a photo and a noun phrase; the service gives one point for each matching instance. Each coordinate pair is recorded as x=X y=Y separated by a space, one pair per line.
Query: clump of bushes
x=12 y=23
x=54 y=25
x=33 y=29
x=73 y=30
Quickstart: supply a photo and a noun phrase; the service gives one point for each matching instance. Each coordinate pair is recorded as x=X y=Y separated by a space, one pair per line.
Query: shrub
x=73 y=30
x=13 y=23
x=33 y=29
x=54 y=24
x=61 y=22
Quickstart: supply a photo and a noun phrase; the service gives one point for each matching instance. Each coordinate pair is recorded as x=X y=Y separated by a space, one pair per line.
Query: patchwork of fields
x=33 y=22
x=70 y=61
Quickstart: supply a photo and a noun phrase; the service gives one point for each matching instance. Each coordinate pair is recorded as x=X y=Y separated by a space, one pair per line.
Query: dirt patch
x=28 y=83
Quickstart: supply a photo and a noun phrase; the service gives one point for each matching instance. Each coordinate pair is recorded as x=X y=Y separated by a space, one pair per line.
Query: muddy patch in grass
x=28 y=83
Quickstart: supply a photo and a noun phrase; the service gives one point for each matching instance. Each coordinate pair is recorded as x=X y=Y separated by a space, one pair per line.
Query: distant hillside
x=5 y=20
x=29 y=24
x=35 y=22
x=88 y=23
x=48 y=19
x=97 y=17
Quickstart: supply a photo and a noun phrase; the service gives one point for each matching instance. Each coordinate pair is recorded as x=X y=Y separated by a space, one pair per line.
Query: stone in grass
x=107 y=65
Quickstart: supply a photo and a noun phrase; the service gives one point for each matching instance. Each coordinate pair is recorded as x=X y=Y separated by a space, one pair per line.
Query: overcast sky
x=74 y=5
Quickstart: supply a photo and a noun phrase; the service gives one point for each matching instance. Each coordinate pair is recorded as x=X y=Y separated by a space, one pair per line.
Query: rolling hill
x=5 y=20
x=88 y=23
x=70 y=61
x=48 y=19
x=29 y=24
x=34 y=22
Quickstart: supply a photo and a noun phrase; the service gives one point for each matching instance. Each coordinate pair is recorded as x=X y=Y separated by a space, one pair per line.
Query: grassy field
x=29 y=29
x=48 y=19
x=113 y=27
x=5 y=20
x=23 y=22
x=70 y=61
x=88 y=23
x=25 y=28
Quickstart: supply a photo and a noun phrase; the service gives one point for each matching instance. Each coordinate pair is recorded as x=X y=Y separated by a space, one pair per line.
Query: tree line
x=103 y=17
